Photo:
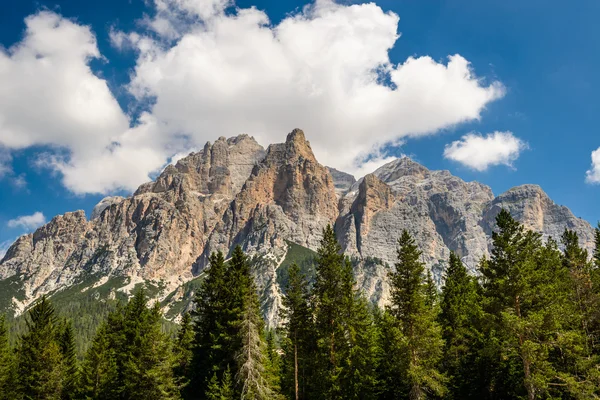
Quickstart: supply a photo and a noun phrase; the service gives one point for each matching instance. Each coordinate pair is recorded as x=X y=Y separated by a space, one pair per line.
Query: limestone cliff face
x=442 y=212
x=288 y=196
x=233 y=192
x=157 y=234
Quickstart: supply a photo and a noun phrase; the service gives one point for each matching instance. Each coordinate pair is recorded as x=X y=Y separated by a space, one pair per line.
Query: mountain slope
x=274 y=204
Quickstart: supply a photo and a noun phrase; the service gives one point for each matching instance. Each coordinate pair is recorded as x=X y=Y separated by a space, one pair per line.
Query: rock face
x=157 y=234
x=233 y=192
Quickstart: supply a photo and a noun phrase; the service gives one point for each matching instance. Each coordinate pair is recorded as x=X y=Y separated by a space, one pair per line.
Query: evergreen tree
x=359 y=373
x=70 y=363
x=597 y=246
x=39 y=358
x=390 y=353
x=460 y=317
x=214 y=329
x=183 y=352
x=220 y=390
x=410 y=305
x=299 y=341
x=526 y=295
x=333 y=298
x=99 y=375
x=6 y=363
x=252 y=375
x=147 y=356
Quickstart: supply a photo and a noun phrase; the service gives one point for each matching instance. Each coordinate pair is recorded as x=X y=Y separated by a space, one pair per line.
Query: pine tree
x=333 y=298
x=390 y=354
x=99 y=375
x=39 y=359
x=416 y=319
x=460 y=317
x=183 y=353
x=597 y=246
x=70 y=363
x=359 y=373
x=527 y=299
x=213 y=326
x=6 y=363
x=299 y=341
x=147 y=359
x=252 y=375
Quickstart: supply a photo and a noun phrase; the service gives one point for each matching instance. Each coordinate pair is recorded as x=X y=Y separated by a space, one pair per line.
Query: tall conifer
x=39 y=358
x=461 y=317
x=299 y=341
x=411 y=306
x=6 y=363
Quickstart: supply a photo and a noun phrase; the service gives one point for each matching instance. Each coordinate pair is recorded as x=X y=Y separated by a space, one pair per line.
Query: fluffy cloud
x=28 y=222
x=321 y=70
x=50 y=96
x=480 y=152
x=593 y=175
x=208 y=73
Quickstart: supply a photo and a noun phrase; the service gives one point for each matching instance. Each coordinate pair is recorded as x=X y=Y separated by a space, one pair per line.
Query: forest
x=525 y=326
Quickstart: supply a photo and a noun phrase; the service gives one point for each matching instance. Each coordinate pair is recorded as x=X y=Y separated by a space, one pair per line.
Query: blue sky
x=534 y=74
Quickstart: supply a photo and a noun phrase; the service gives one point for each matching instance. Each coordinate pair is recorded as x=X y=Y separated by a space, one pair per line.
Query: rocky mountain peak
x=399 y=168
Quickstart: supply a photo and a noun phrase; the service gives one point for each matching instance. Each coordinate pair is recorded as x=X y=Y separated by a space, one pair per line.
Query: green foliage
x=412 y=305
x=134 y=359
x=300 y=256
x=299 y=341
x=7 y=377
x=461 y=318
x=70 y=363
x=183 y=352
x=39 y=359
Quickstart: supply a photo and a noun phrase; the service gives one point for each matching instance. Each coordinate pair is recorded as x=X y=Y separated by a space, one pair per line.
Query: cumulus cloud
x=50 y=96
x=480 y=152
x=210 y=73
x=28 y=222
x=593 y=175
x=321 y=69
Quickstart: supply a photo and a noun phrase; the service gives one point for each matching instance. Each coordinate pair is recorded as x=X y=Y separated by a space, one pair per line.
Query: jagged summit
x=234 y=192
x=403 y=166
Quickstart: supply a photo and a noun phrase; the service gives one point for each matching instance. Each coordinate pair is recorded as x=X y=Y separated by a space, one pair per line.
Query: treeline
x=527 y=327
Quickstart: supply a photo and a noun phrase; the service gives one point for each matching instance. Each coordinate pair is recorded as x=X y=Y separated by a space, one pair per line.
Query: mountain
x=274 y=203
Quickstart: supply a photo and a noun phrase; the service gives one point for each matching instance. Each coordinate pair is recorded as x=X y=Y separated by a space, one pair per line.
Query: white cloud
x=480 y=152
x=593 y=175
x=28 y=222
x=50 y=96
x=211 y=73
x=319 y=69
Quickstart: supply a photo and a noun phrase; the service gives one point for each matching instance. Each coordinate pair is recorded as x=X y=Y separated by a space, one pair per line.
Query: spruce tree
x=359 y=372
x=70 y=363
x=526 y=296
x=183 y=353
x=252 y=376
x=597 y=246
x=390 y=354
x=299 y=344
x=416 y=317
x=460 y=317
x=147 y=358
x=213 y=324
x=99 y=374
x=333 y=298
x=6 y=363
x=39 y=358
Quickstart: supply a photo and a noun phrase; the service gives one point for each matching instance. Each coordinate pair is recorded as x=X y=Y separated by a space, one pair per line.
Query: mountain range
x=274 y=203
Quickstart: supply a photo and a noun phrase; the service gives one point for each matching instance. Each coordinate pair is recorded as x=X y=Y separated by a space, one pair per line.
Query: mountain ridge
x=234 y=192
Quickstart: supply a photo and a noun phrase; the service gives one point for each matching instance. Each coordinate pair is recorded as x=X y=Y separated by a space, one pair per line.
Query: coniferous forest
x=527 y=326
